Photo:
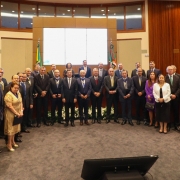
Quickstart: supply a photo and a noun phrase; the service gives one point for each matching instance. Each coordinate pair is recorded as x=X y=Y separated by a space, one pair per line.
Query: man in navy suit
x=56 y=96
x=153 y=69
x=84 y=92
x=126 y=90
x=139 y=95
x=134 y=72
x=96 y=95
x=3 y=80
x=86 y=69
x=118 y=72
x=102 y=72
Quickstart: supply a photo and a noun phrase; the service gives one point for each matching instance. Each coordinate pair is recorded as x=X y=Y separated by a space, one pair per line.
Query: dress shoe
x=46 y=123
x=66 y=124
x=99 y=121
x=87 y=123
x=81 y=123
x=25 y=131
x=38 y=125
x=31 y=125
x=123 y=122
x=15 y=145
x=116 y=121
x=60 y=122
x=107 y=121
x=93 y=121
x=72 y=124
x=138 y=122
x=131 y=123
x=18 y=140
x=19 y=135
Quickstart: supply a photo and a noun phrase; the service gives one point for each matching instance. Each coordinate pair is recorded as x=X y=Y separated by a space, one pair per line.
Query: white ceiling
x=84 y=1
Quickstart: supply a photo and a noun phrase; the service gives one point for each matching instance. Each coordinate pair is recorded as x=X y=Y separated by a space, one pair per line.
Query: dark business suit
x=69 y=93
x=34 y=73
x=134 y=73
x=65 y=71
x=175 y=89
x=42 y=102
x=97 y=86
x=5 y=82
x=126 y=102
x=50 y=74
x=111 y=99
x=55 y=89
x=27 y=101
x=157 y=72
x=104 y=72
x=83 y=103
x=1 y=110
x=118 y=73
x=88 y=72
x=140 y=100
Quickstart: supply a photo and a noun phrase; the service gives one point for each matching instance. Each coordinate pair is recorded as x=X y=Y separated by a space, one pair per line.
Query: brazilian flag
x=38 y=55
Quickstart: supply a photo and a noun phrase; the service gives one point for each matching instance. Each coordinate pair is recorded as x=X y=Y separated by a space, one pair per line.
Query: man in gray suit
x=118 y=72
x=126 y=90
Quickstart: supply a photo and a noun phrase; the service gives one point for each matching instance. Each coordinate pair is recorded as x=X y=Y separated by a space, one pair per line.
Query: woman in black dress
x=162 y=92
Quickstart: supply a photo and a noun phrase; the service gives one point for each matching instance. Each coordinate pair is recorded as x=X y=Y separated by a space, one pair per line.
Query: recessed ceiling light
x=68 y=10
x=102 y=9
x=138 y=9
x=1 y=5
x=44 y=13
x=114 y=13
x=13 y=11
x=108 y=10
x=63 y=14
x=103 y=14
x=33 y=9
x=39 y=9
x=31 y=23
x=22 y=12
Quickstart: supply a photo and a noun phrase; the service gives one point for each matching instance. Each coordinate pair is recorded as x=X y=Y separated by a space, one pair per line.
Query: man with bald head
x=110 y=84
x=56 y=96
x=84 y=92
x=96 y=95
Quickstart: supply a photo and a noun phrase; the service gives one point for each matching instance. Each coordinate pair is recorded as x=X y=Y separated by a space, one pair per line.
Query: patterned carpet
x=57 y=153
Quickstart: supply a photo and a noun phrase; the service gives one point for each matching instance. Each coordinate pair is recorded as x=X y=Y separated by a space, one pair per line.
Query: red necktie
x=96 y=81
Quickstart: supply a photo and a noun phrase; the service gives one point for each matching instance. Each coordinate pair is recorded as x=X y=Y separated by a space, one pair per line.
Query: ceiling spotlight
x=1 y=5
x=33 y=9
x=39 y=9
x=63 y=14
x=138 y=9
x=22 y=12
x=103 y=14
x=114 y=13
x=108 y=10
x=102 y=9
x=13 y=11
x=31 y=23
x=68 y=10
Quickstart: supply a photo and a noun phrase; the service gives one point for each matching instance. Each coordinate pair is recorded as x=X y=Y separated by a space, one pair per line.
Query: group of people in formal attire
x=154 y=94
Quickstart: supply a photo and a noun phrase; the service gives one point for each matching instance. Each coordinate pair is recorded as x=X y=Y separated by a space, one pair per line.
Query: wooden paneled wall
x=164 y=33
x=55 y=22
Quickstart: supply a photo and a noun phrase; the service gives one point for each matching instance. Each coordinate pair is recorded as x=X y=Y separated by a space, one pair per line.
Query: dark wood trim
x=129 y=39
x=17 y=38
x=16 y=30
x=131 y=31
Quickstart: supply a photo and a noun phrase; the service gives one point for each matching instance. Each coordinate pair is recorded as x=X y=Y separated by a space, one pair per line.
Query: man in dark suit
x=174 y=83
x=69 y=96
x=30 y=80
x=1 y=111
x=51 y=73
x=27 y=102
x=134 y=72
x=96 y=95
x=42 y=83
x=174 y=71
x=86 y=69
x=153 y=69
x=118 y=72
x=84 y=92
x=102 y=72
x=126 y=91
x=139 y=94
x=56 y=96
x=3 y=81
x=36 y=70
x=110 y=84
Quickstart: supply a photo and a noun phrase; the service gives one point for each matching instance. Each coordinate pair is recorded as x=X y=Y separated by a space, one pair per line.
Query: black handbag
x=17 y=120
x=149 y=105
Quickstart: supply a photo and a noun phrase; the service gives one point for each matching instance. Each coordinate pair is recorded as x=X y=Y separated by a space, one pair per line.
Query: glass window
x=64 y=11
x=9 y=15
x=134 y=17
x=27 y=12
x=48 y=11
x=81 y=12
x=118 y=13
x=98 y=12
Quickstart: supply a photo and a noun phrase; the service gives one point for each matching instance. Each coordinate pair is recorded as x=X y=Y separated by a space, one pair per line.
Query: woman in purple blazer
x=149 y=95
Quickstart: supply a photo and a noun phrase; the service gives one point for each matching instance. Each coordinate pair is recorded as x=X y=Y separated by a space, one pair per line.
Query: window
x=64 y=12
x=27 y=12
x=9 y=15
x=48 y=11
x=81 y=12
x=133 y=17
x=98 y=12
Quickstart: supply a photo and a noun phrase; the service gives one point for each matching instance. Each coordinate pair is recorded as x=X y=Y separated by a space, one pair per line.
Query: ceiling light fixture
x=102 y=9
x=114 y=13
x=138 y=9
x=22 y=12
x=33 y=9
x=39 y=9
x=1 y=5
x=68 y=10
x=13 y=11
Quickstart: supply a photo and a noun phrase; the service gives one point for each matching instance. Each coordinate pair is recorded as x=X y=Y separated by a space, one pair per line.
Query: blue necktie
x=24 y=88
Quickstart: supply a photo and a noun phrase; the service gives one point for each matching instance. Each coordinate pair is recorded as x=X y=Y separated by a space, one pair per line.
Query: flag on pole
x=38 y=55
x=112 y=56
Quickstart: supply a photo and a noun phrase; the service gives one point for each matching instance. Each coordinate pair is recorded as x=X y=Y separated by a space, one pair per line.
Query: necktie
x=171 y=80
x=24 y=87
x=112 y=81
x=100 y=72
x=42 y=76
x=2 y=83
x=83 y=82
x=139 y=81
x=125 y=83
x=69 y=82
x=57 y=82
x=29 y=81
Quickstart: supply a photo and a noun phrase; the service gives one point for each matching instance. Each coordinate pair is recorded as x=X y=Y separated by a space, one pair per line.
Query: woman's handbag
x=149 y=105
x=17 y=120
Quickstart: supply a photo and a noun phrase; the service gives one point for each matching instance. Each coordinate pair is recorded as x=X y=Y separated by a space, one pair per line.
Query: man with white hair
x=174 y=83
x=174 y=71
x=84 y=92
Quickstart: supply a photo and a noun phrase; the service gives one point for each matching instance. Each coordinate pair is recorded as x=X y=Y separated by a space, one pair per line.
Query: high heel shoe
x=10 y=149
x=160 y=131
x=15 y=145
